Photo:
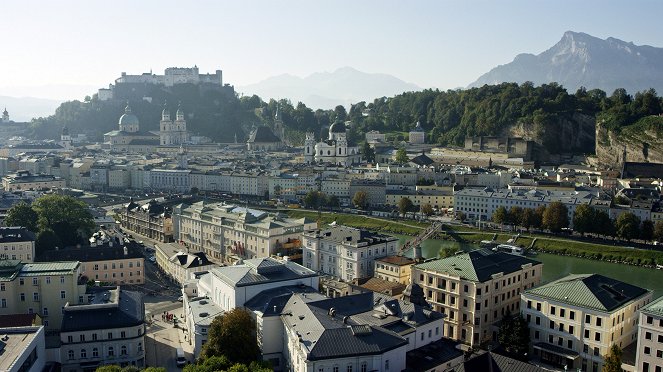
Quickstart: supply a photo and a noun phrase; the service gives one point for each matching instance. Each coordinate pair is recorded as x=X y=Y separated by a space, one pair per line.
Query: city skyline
x=443 y=45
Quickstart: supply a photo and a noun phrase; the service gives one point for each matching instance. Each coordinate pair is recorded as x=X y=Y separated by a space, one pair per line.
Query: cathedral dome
x=337 y=127
x=128 y=118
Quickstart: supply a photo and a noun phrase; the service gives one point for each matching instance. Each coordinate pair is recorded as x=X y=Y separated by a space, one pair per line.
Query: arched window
x=123 y=350
x=95 y=352
x=111 y=351
x=70 y=353
x=83 y=354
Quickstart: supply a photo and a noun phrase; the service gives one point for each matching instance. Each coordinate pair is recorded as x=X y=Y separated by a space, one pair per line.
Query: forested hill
x=559 y=121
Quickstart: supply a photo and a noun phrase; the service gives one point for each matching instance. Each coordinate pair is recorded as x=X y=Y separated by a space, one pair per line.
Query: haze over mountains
x=579 y=59
x=23 y=109
x=328 y=89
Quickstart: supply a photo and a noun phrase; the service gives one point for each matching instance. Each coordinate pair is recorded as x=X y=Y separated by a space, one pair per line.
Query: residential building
x=110 y=329
x=574 y=320
x=649 y=352
x=394 y=269
x=199 y=312
x=106 y=263
x=24 y=180
x=178 y=265
x=42 y=288
x=475 y=290
x=345 y=252
x=436 y=197
x=22 y=349
x=17 y=243
x=152 y=220
x=375 y=191
x=230 y=232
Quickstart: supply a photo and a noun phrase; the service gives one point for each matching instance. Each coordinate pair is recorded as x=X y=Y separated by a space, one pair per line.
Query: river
x=555 y=266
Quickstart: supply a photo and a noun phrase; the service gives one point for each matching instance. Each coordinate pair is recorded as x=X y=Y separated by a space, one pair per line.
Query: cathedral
x=128 y=137
x=335 y=150
x=173 y=132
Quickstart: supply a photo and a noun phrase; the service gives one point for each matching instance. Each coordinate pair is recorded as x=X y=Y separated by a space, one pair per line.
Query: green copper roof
x=48 y=268
x=655 y=307
x=478 y=265
x=591 y=291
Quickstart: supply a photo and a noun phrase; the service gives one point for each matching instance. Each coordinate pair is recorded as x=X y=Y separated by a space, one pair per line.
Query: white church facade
x=335 y=149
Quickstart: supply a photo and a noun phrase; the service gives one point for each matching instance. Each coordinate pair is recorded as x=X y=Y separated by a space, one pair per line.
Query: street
x=162 y=338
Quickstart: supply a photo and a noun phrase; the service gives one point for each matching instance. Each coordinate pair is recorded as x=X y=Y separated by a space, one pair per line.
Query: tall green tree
x=658 y=231
x=233 y=334
x=647 y=230
x=583 y=219
x=404 y=206
x=555 y=217
x=22 y=214
x=613 y=360
x=603 y=224
x=515 y=216
x=401 y=156
x=501 y=215
x=333 y=202
x=528 y=217
x=427 y=209
x=360 y=199
x=628 y=226
x=514 y=335
x=368 y=153
x=69 y=218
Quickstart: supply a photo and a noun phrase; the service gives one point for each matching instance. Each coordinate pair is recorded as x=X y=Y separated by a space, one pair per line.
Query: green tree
x=68 y=218
x=583 y=219
x=404 y=206
x=109 y=368
x=209 y=364
x=555 y=217
x=537 y=221
x=401 y=156
x=603 y=224
x=368 y=153
x=500 y=215
x=514 y=335
x=647 y=230
x=613 y=360
x=427 y=209
x=658 y=230
x=360 y=199
x=233 y=334
x=22 y=214
x=47 y=240
x=528 y=218
x=627 y=226
x=515 y=216
x=154 y=369
x=333 y=202
x=314 y=199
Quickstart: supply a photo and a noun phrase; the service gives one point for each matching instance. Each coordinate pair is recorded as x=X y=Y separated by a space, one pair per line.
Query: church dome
x=337 y=127
x=128 y=118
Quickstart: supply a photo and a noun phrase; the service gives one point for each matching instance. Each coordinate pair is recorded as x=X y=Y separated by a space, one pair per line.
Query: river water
x=555 y=266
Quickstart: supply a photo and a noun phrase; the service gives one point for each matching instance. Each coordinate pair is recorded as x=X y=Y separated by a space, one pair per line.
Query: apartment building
x=24 y=180
x=17 y=243
x=151 y=219
x=395 y=269
x=437 y=197
x=230 y=232
x=649 y=348
x=42 y=288
x=574 y=320
x=475 y=290
x=110 y=329
x=345 y=252
x=375 y=190
x=179 y=266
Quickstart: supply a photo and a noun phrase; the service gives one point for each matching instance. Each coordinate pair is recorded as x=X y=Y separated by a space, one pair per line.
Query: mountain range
x=22 y=109
x=579 y=59
x=326 y=90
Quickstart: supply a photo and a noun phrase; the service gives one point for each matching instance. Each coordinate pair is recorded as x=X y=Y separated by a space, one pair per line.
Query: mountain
x=25 y=108
x=579 y=59
x=328 y=89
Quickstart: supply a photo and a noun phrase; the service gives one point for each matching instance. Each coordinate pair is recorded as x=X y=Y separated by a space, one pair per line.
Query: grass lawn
x=404 y=227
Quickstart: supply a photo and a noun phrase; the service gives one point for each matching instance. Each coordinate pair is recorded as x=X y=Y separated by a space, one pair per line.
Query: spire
x=165 y=114
x=127 y=109
x=180 y=113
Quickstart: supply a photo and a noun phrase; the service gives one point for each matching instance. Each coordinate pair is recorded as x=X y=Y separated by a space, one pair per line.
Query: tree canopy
x=22 y=214
x=233 y=334
x=360 y=199
x=555 y=217
x=405 y=205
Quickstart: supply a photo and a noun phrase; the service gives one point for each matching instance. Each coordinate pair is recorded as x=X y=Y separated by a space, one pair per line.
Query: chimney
x=126 y=251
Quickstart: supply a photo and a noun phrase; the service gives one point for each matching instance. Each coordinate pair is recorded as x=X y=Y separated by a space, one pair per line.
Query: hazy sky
x=444 y=44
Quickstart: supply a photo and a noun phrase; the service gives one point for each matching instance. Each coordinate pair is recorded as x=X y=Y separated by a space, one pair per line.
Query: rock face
x=579 y=60
x=639 y=146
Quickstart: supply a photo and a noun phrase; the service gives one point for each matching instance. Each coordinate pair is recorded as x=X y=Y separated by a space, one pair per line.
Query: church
x=335 y=150
x=128 y=137
x=173 y=132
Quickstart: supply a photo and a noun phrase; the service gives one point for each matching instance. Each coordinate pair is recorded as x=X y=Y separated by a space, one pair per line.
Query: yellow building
x=393 y=269
x=441 y=197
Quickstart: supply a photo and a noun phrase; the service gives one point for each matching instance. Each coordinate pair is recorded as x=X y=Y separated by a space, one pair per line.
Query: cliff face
x=642 y=143
x=562 y=135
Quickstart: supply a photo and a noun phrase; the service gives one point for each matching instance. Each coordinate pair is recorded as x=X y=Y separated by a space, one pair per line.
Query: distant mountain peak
x=579 y=59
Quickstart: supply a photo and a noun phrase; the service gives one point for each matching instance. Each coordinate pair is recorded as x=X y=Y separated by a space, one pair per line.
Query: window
x=110 y=335
x=62 y=280
x=4 y=303
x=552 y=325
x=538 y=306
x=552 y=310
x=82 y=338
x=123 y=334
x=647 y=350
x=349 y=369
x=588 y=319
x=598 y=321
x=2 y=287
x=123 y=350
x=538 y=321
x=386 y=365
x=529 y=304
x=569 y=344
x=95 y=352
x=587 y=333
x=572 y=315
x=94 y=337
x=21 y=281
x=650 y=320
x=70 y=354
x=35 y=281
x=111 y=351
x=63 y=294
x=70 y=339
x=597 y=336
x=22 y=296
x=659 y=353
x=363 y=368
x=83 y=354
x=571 y=329
x=596 y=351
x=647 y=335
x=562 y=312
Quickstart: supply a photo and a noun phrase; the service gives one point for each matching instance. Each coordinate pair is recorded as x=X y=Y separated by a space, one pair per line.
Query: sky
x=63 y=49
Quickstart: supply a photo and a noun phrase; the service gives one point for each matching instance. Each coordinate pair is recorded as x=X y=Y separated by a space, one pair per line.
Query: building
x=490 y=361
x=198 y=316
x=173 y=76
x=180 y=266
x=41 y=288
x=110 y=329
x=476 y=290
x=263 y=139
x=129 y=137
x=574 y=320
x=375 y=136
x=22 y=349
x=336 y=149
x=230 y=232
x=417 y=135
x=173 y=132
x=345 y=252
x=648 y=356
x=17 y=243
x=106 y=263
x=440 y=197
x=152 y=220
x=24 y=180
x=395 y=269
x=512 y=146
x=376 y=192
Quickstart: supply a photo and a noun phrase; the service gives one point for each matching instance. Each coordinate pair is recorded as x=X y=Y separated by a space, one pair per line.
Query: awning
x=558 y=350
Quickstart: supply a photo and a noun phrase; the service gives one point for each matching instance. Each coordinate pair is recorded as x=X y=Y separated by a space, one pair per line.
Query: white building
x=178 y=265
x=335 y=150
x=345 y=252
x=17 y=243
x=649 y=354
x=22 y=349
x=173 y=132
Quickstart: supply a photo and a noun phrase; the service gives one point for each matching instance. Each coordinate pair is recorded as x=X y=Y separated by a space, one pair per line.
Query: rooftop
x=204 y=311
x=350 y=236
x=109 y=308
x=15 y=234
x=592 y=291
x=478 y=265
x=654 y=308
x=261 y=270
x=91 y=254
x=14 y=344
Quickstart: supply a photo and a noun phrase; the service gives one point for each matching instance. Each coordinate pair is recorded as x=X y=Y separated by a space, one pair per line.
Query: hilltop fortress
x=132 y=86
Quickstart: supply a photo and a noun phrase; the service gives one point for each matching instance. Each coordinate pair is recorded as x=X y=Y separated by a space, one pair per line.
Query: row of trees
x=585 y=220
x=58 y=221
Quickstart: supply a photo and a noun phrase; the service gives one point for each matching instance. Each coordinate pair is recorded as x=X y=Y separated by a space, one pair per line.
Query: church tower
x=309 y=147
x=180 y=134
x=165 y=126
x=279 y=130
x=65 y=138
x=5 y=116
x=182 y=161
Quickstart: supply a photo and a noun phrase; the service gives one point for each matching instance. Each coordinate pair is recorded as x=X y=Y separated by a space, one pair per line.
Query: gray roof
x=190 y=260
x=15 y=234
x=592 y=291
x=478 y=265
x=261 y=270
x=654 y=308
x=271 y=302
x=89 y=254
x=350 y=236
x=129 y=312
x=263 y=134
x=495 y=362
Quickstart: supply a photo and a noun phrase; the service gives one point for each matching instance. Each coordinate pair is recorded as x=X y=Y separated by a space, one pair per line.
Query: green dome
x=128 y=118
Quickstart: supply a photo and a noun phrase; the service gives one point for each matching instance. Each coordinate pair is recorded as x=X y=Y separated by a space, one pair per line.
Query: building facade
x=151 y=219
x=649 y=354
x=24 y=180
x=17 y=243
x=395 y=269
